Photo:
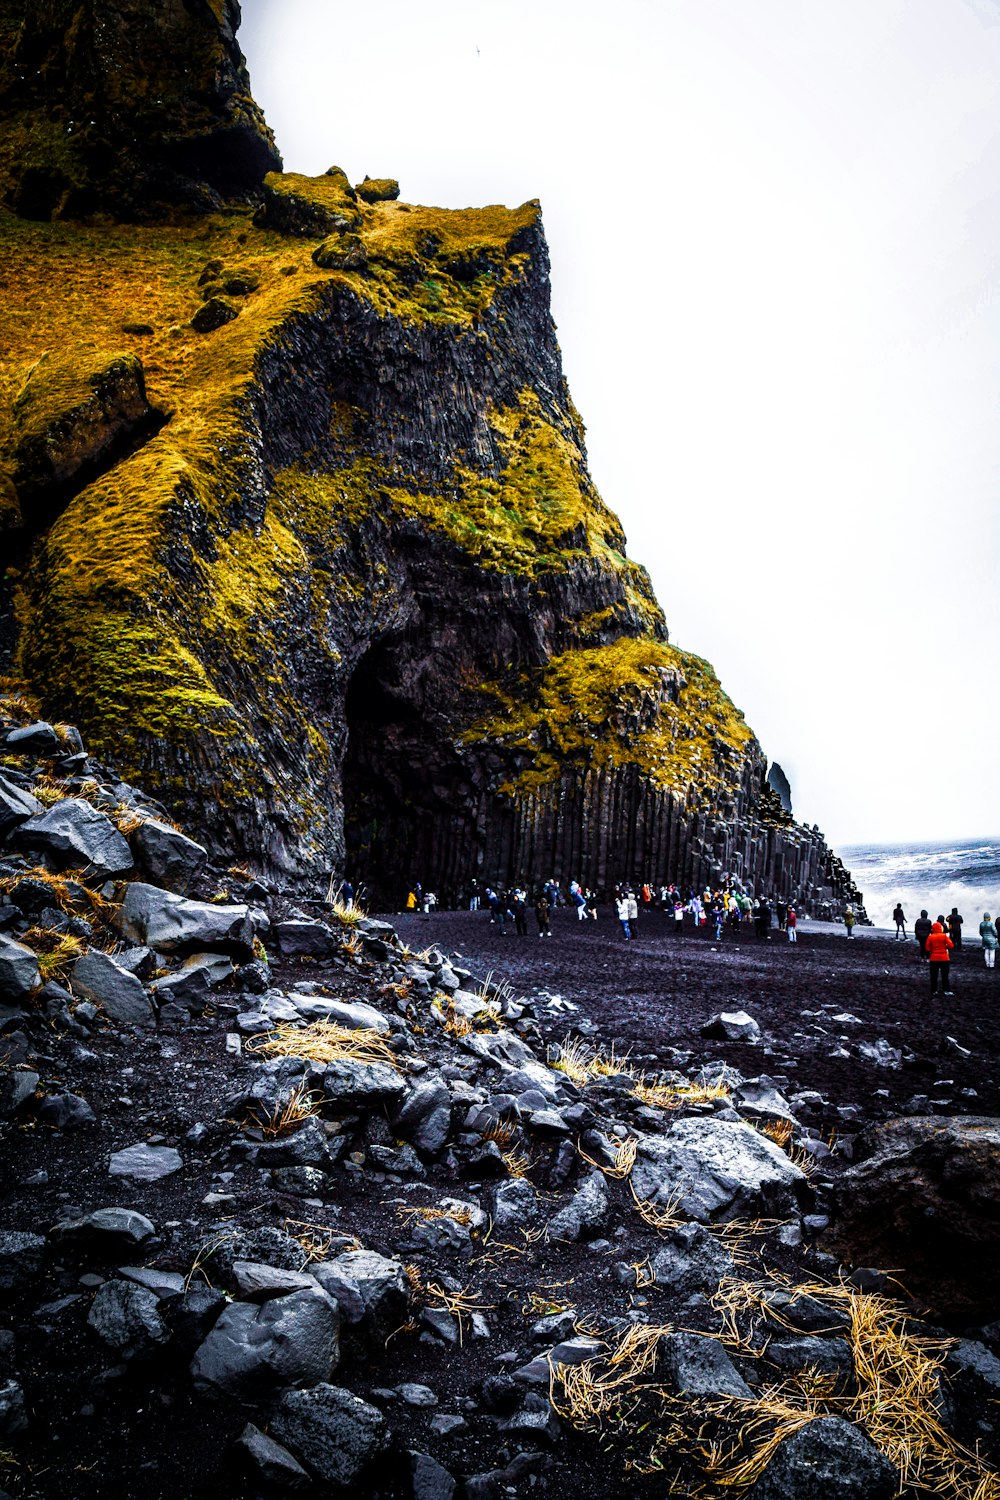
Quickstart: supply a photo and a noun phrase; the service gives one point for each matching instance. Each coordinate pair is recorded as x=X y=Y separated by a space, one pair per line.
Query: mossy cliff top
x=295 y=493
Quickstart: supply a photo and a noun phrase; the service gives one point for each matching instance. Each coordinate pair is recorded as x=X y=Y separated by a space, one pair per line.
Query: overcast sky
x=775 y=239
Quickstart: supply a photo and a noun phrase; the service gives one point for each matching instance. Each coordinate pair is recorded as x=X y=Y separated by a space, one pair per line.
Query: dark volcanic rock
x=254 y=1350
x=19 y=976
x=828 y=1459
x=172 y=924
x=925 y=1196
x=166 y=857
x=119 y=993
x=75 y=834
x=184 y=131
x=334 y=1433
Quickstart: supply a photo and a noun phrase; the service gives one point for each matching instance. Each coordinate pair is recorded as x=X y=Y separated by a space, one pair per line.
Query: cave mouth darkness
x=407 y=798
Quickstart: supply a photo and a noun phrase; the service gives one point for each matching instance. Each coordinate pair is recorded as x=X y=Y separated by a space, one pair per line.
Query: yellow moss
x=634 y=702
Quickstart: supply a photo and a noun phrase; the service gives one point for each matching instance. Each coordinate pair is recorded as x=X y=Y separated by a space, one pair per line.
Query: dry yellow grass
x=624 y=1161
x=661 y=1217
x=326 y=1042
x=316 y=1239
x=299 y=1106
x=428 y=1215
x=56 y=952
x=461 y=1304
x=780 y=1132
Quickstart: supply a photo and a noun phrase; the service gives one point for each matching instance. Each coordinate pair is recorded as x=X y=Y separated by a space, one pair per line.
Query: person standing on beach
x=988 y=933
x=542 y=916
x=849 y=921
x=955 y=927
x=621 y=907
x=899 y=917
x=939 y=946
x=922 y=931
x=791 y=922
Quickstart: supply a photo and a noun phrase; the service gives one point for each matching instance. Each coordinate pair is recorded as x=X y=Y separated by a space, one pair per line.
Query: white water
x=960 y=873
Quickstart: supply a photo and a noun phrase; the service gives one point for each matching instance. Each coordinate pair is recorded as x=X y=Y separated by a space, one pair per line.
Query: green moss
x=633 y=702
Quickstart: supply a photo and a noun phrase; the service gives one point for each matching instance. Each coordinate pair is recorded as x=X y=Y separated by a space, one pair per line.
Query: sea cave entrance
x=408 y=799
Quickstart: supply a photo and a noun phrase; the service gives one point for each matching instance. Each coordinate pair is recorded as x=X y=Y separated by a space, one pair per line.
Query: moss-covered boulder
x=310 y=207
x=378 y=190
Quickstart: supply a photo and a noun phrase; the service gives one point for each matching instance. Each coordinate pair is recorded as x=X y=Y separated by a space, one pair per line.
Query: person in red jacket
x=938 y=948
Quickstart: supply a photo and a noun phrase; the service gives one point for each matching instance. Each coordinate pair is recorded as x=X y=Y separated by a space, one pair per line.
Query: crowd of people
x=727 y=908
x=938 y=940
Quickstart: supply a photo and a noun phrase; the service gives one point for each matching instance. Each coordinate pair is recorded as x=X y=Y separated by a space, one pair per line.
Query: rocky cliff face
x=301 y=522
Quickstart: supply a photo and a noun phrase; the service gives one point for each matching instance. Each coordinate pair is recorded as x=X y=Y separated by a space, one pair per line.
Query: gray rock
x=127 y=1318
x=22 y=1256
x=13 y=1413
x=17 y=1088
x=356 y=1016
x=424 y=1118
x=428 y=1480
x=584 y=1215
x=302 y=1182
x=381 y=1284
x=335 y=1434
x=143 y=1163
x=362 y=1086
x=515 y=1202
x=828 y=1356
x=301 y=939
x=308 y=1147
x=692 y=1260
x=447 y=1424
x=697 y=1365
x=173 y=924
x=190 y=988
x=106 y=1230
x=16 y=806
x=34 y=739
x=65 y=1112
x=160 y=1283
x=270 y=1463
x=273 y=1247
x=732 y=1026
x=416 y=1395
x=256 y=1282
x=119 y=994
x=976 y=1368
x=402 y=1160
x=716 y=1170
x=165 y=857
x=828 y=1459
x=19 y=975
x=73 y=833
x=255 y=1350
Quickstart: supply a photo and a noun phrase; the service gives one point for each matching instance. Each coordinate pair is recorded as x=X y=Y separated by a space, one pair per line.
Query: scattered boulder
x=307 y=207
x=378 y=190
x=255 y=1350
x=17 y=1089
x=350 y=1085
x=72 y=833
x=22 y=1256
x=716 y=1170
x=119 y=993
x=19 y=973
x=214 y=313
x=144 y=1163
x=692 y=1260
x=166 y=857
x=584 y=1215
x=924 y=1195
x=298 y=938
x=732 y=1026
x=169 y=923
x=16 y=806
x=126 y=1317
x=380 y=1284
x=270 y=1463
x=65 y=1112
x=696 y=1365
x=335 y=1434
x=106 y=1231
x=828 y=1459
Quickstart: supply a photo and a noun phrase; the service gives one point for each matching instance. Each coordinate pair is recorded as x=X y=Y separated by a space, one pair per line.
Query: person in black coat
x=922 y=931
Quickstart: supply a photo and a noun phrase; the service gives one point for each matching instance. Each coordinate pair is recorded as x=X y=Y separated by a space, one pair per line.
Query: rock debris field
x=297 y=1202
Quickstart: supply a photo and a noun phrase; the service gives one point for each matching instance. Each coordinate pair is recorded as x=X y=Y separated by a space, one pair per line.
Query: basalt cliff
x=294 y=503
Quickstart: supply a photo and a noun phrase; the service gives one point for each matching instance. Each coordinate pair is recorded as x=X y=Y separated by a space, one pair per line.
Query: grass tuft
x=325 y=1042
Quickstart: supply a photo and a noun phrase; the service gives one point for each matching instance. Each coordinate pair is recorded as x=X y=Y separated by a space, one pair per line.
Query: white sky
x=775 y=239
